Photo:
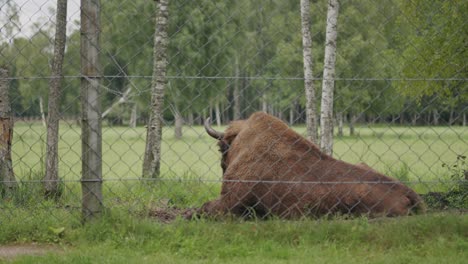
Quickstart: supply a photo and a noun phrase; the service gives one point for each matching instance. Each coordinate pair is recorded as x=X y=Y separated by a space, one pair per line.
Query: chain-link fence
x=400 y=104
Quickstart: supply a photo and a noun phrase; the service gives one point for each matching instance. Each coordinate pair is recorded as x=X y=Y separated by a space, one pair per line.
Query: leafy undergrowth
x=119 y=237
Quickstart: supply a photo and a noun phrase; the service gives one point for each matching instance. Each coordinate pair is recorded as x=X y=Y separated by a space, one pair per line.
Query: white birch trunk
x=236 y=92
x=178 y=123
x=264 y=102
x=311 y=109
x=152 y=160
x=133 y=116
x=218 y=114
x=291 y=113
x=41 y=110
x=436 y=117
x=340 y=124
x=326 y=117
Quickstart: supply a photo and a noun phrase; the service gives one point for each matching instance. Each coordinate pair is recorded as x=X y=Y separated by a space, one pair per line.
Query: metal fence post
x=91 y=182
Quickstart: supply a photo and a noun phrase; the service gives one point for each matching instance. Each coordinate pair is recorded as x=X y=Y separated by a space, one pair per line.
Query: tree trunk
x=371 y=119
x=451 y=119
x=264 y=102
x=178 y=122
x=311 y=109
x=152 y=160
x=339 y=116
x=7 y=177
x=190 y=119
x=133 y=116
x=291 y=113
x=217 y=114
x=210 y=112
x=41 y=109
x=91 y=132
x=237 y=92
x=414 y=119
x=51 y=178
x=326 y=116
x=280 y=115
x=352 y=121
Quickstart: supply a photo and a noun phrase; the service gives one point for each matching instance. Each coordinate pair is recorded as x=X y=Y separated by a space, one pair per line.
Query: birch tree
x=311 y=116
x=326 y=116
x=51 y=178
x=237 y=93
x=152 y=160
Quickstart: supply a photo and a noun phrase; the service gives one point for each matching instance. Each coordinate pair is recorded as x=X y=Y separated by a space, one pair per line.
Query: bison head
x=225 y=139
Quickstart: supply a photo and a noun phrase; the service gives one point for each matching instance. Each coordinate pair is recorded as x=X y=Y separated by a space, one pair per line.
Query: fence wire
x=400 y=108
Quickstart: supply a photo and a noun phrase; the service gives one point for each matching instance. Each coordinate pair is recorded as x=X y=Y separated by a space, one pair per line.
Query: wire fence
x=400 y=109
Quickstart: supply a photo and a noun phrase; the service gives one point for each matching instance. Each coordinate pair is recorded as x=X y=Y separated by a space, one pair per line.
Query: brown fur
x=269 y=169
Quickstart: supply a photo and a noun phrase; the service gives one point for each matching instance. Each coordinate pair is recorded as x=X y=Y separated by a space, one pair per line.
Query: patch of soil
x=9 y=252
x=169 y=214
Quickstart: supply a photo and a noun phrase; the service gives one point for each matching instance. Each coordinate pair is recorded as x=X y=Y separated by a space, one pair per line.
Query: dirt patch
x=8 y=252
x=163 y=211
x=168 y=214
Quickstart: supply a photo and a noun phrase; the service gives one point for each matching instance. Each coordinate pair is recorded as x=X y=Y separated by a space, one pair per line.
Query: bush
x=457 y=196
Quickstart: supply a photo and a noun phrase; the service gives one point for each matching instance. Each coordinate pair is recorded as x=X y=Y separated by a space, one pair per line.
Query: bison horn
x=211 y=131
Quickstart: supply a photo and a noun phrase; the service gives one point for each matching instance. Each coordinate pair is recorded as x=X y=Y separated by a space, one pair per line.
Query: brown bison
x=269 y=169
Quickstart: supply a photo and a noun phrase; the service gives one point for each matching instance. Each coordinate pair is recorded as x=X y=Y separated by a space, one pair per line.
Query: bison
x=270 y=170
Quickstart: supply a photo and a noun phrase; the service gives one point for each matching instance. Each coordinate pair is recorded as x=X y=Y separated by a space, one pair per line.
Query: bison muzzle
x=270 y=170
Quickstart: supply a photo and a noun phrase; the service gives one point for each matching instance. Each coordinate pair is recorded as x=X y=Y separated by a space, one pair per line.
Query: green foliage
x=458 y=196
x=437 y=37
x=459 y=172
x=379 y=45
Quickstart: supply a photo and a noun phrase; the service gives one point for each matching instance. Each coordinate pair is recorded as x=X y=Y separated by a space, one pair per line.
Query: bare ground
x=169 y=214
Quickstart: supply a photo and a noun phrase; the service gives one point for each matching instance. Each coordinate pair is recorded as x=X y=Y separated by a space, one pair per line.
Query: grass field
x=408 y=153
x=190 y=171
x=119 y=238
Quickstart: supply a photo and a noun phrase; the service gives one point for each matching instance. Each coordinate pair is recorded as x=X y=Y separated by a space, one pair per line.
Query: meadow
x=127 y=232
x=190 y=166
x=120 y=238
x=415 y=154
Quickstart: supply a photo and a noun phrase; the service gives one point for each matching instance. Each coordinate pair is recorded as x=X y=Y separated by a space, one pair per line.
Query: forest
x=398 y=61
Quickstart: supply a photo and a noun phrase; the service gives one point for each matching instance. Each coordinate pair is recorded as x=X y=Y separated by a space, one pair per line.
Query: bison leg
x=234 y=200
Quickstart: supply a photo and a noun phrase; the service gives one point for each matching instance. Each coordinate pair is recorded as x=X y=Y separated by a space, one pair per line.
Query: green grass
x=190 y=166
x=120 y=238
x=408 y=153
x=190 y=170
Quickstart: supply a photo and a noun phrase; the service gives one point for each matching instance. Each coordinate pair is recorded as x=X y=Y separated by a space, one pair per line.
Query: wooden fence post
x=7 y=177
x=91 y=181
